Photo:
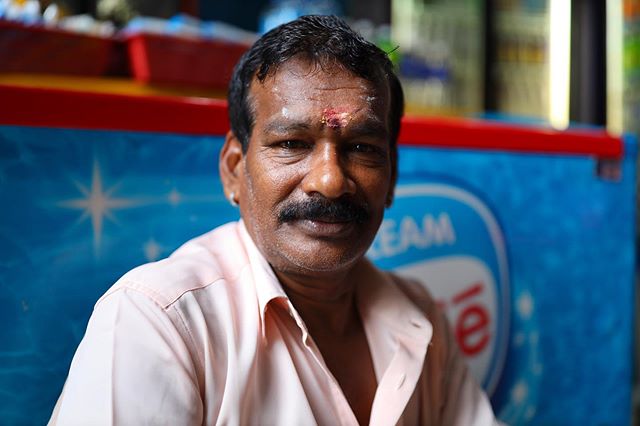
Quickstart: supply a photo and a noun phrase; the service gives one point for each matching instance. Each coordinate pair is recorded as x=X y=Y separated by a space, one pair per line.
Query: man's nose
x=328 y=174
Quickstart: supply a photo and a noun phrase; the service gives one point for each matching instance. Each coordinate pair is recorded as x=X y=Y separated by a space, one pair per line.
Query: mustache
x=319 y=208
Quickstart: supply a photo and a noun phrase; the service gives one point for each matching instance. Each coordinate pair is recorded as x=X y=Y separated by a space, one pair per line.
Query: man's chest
x=284 y=378
x=348 y=359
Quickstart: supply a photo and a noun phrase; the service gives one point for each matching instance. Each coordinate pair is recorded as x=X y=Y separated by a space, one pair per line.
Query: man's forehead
x=326 y=74
x=334 y=94
x=305 y=116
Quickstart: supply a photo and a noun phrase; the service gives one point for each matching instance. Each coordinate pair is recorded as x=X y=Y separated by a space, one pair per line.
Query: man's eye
x=292 y=144
x=366 y=148
x=363 y=147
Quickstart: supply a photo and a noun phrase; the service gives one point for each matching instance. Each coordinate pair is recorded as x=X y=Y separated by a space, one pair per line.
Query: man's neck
x=325 y=303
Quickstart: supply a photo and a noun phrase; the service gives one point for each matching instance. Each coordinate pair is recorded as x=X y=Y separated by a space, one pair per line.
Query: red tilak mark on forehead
x=335 y=117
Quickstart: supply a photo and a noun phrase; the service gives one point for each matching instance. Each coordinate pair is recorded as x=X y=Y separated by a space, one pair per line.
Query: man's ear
x=231 y=166
x=394 y=179
x=389 y=200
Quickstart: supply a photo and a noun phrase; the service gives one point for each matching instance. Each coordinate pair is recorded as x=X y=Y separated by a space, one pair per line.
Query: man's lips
x=326 y=219
x=327 y=228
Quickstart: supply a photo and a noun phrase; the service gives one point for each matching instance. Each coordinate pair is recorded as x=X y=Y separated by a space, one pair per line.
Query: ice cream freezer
x=525 y=236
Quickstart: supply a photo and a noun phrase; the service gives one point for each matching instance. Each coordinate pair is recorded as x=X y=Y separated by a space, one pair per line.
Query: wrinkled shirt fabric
x=209 y=337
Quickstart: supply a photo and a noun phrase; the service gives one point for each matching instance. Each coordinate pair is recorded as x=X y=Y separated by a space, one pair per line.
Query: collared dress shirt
x=208 y=336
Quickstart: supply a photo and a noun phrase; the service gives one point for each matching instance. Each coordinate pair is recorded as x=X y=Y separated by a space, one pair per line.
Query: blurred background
x=552 y=62
x=540 y=100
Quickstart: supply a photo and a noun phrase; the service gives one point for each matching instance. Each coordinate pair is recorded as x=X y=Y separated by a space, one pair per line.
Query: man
x=279 y=319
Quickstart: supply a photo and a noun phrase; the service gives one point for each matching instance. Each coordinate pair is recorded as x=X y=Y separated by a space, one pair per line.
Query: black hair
x=318 y=39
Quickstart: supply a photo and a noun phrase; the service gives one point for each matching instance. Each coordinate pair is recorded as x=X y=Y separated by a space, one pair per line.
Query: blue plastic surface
x=80 y=208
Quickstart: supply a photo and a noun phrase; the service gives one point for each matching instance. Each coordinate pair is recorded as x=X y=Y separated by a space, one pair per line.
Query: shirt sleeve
x=132 y=368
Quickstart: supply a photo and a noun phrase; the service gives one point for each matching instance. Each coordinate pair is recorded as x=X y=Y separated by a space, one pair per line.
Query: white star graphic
x=531 y=411
x=519 y=392
x=97 y=204
x=174 y=197
x=152 y=250
x=525 y=305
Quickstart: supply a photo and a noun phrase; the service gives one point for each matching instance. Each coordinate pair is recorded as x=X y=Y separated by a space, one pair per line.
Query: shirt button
x=400 y=380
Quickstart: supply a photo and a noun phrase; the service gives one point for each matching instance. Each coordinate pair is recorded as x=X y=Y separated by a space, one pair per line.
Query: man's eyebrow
x=373 y=127
x=282 y=127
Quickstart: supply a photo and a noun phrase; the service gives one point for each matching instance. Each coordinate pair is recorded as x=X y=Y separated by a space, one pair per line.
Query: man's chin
x=317 y=257
x=329 y=266
x=314 y=248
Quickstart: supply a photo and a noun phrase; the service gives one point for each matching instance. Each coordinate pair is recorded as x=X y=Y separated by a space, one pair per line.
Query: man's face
x=317 y=173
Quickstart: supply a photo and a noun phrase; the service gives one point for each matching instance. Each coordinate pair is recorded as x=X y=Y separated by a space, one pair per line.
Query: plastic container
x=164 y=59
x=41 y=50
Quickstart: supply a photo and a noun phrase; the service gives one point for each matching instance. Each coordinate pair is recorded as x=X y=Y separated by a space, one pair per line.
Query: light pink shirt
x=208 y=336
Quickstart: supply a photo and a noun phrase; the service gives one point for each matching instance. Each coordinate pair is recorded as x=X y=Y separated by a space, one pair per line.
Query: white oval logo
x=447 y=238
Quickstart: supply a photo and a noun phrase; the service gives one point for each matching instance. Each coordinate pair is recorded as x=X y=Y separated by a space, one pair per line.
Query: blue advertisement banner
x=531 y=256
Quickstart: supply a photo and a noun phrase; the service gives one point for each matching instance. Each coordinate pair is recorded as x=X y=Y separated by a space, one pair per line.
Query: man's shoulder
x=217 y=256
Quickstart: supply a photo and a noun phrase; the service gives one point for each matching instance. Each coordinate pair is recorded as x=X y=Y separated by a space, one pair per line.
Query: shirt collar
x=389 y=317
x=266 y=283
x=381 y=304
x=398 y=333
